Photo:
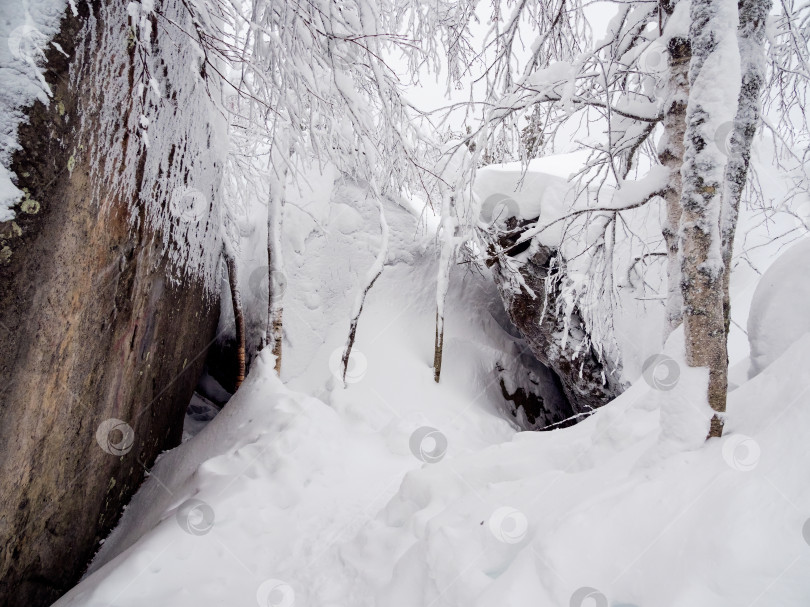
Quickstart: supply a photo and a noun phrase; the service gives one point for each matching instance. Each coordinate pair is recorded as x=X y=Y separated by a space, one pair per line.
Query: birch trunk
x=438 y=346
x=750 y=39
x=701 y=262
x=275 y=265
x=670 y=154
x=372 y=276
x=446 y=258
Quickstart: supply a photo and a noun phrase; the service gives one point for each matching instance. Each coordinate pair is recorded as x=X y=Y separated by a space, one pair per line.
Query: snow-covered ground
x=398 y=492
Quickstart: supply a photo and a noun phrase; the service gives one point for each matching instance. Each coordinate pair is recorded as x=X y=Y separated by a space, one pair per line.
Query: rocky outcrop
x=558 y=339
x=102 y=343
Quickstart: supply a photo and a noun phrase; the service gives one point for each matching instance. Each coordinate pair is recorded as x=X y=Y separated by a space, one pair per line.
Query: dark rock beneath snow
x=586 y=380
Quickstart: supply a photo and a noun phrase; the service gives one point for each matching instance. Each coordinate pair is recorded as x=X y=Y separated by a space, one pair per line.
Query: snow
x=778 y=315
x=199 y=413
x=540 y=191
x=634 y=192
x=400 y=492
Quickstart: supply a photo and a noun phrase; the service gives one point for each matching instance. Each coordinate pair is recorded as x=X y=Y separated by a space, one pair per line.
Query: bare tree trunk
x=371 y=278
x=275 y=266
x=447 y=255
x=750 y=38
x=238 y=315
x=438 y=345
x=670 y=154
x=701 y=266
x=276 y=327
x=347 y=352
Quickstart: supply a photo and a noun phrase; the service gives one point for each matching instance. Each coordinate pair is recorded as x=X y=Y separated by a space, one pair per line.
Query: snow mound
x=541 y=190
x=283 y=500
x=779 y=310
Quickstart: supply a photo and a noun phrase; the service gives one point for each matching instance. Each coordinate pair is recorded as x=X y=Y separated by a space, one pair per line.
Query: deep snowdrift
x=292 y=490
x=779 y=309
x=397 y=492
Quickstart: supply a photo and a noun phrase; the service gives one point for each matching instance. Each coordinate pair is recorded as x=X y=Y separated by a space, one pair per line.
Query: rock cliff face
x=557 y=340
x=102 y=340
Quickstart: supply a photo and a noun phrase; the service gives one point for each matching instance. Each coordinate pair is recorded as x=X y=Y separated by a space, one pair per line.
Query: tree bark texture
x=750 y=39
x=701 y=265
x=670 y=155
x=238 y=318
